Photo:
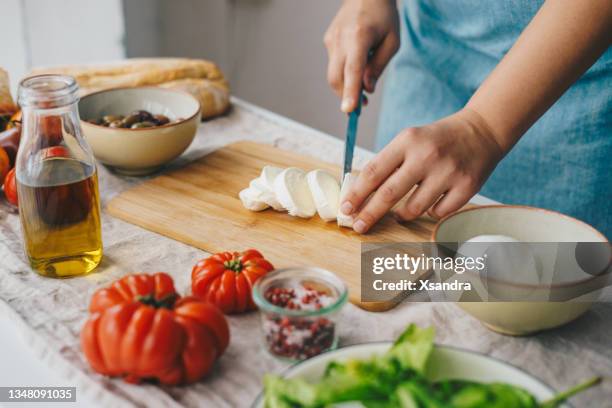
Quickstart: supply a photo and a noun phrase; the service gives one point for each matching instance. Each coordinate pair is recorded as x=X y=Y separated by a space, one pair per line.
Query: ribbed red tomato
x=10 y=187
x=141 y=329
x=227 y=278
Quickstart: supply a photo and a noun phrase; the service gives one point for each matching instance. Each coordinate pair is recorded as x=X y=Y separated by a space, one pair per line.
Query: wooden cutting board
x=199 y=205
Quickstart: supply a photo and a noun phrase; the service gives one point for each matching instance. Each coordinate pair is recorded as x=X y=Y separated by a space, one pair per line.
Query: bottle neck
x=51 y=126
x=37 y=111
x=47 y=92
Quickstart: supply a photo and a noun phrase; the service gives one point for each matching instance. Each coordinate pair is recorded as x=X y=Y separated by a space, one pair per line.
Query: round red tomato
x=5 y=164
x=227 y=278
x=10 y=187
x=141 y=329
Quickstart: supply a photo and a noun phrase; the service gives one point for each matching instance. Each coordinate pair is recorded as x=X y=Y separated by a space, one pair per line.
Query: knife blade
x=351 y=138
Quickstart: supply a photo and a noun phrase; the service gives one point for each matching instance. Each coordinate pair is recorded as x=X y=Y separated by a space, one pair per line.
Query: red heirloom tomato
x=10 y=187
x=141 y=329
x=227 y=278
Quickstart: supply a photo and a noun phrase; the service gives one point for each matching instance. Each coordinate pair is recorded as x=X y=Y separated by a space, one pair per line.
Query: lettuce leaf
x=413 y=348
x=396 y=379
x=374 y=379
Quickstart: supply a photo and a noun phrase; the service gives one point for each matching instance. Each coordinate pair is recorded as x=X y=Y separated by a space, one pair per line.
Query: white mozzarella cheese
x=325 y=191
x=265 y=183
x=252 y=199
x=345 y=220
x=292 y=192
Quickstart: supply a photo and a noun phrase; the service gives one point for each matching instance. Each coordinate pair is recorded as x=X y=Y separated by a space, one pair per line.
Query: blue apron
x=564 y=162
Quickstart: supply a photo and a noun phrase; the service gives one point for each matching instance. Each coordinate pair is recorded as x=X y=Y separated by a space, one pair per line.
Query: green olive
x=144 y=124
x=111 y=118
x=129 y=120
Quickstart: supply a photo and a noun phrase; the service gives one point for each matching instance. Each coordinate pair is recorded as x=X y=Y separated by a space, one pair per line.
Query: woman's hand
x=447 y=161
x=361 y=28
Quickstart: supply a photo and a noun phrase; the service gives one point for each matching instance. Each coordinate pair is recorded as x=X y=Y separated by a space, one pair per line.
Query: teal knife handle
x=357 y=110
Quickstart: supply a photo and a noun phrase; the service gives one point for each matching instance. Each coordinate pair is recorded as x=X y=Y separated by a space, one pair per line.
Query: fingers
x=335 y=72
x=423 y=198
x=379 y=60
x=387 y=195
x=452 y=201
x=354 y=68
x=372 y=176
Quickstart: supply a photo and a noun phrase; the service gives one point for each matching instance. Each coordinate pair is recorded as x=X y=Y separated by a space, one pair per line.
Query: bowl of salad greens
x=411 y=372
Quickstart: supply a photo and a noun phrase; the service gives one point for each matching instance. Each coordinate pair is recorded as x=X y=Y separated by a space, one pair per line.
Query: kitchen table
x=40 y=318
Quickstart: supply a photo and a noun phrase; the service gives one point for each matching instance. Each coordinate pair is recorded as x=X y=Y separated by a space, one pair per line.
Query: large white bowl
x=445 y=363
x=530 y=225
x=139 y=151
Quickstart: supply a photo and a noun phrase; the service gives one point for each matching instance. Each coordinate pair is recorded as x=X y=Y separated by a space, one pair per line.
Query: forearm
x=562 y=41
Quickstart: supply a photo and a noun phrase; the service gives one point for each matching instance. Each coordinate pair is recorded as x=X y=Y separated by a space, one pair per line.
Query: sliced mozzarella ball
x=252 y=199
x=266 y=195
x=345 y=220
x=268 y=175
x=325 y=192
x=291 y=189
x=507 y=258
x=265 y=183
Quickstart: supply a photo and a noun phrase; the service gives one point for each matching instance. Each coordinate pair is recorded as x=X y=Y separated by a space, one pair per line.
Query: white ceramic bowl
x=526 y=224
x=139 y=151
x=445 y=363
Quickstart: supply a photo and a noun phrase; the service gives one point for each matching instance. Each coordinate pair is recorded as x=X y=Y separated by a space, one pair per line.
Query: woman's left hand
x=448 y=161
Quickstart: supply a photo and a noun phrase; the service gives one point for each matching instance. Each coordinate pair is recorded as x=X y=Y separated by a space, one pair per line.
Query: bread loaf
x=7 y=105
x=201 y=78
x=213 y=95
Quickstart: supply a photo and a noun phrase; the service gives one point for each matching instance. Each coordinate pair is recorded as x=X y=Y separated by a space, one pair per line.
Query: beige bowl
x=139 y=151
x=531 y=225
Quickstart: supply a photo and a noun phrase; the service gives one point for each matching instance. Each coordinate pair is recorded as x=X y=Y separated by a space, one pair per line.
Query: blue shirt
x=563 y=163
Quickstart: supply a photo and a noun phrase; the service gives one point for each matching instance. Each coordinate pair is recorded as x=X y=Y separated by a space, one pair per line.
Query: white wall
x=271 y=50
x=43 y=32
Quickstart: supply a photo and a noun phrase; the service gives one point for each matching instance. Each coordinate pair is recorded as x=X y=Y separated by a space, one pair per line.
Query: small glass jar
x=57 y=181
x=299 y=311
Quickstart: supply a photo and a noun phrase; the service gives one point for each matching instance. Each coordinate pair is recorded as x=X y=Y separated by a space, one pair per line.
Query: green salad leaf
x=412 y=348
x=397 y=379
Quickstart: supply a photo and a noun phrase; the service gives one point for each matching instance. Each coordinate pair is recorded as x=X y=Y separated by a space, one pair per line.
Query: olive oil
x=60 y=217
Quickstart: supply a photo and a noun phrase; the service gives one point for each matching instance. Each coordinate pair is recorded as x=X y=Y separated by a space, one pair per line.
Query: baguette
x=213 y=95
x=7 y=105
x=201 y=78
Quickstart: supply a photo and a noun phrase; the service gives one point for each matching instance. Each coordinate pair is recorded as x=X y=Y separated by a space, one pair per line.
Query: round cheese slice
x=325 y=192
x=291 y=189
x=252 y=200
x=345 y=220
x=265 y=183
x=266 y=195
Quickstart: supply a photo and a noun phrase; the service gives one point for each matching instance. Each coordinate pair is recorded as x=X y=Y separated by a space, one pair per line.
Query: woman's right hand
x=361 y=28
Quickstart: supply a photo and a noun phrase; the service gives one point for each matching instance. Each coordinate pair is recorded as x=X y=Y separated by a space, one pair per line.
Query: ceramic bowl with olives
x=136 y=120
x=138 y=130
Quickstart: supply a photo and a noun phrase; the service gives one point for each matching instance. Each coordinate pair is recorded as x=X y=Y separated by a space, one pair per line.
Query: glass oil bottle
x=57 y=181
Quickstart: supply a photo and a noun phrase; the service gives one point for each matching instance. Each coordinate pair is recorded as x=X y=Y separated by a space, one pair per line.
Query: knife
x=351 y=138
